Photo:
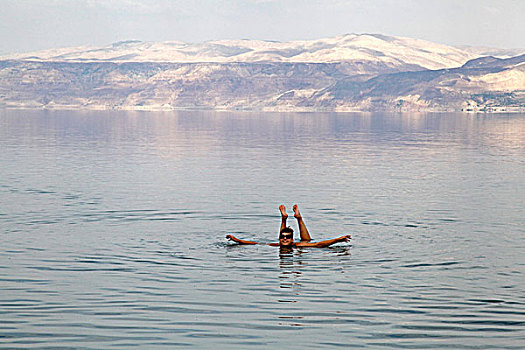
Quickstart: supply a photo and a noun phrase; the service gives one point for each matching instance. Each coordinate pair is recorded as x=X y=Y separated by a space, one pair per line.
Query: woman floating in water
x=286 y=234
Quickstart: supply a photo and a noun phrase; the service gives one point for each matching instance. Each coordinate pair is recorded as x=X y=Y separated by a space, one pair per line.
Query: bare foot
x=282 y=208
x=296 y=212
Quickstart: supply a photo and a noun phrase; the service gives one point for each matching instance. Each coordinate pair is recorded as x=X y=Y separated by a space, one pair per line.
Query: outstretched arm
x=326 y=243
x=240 y=241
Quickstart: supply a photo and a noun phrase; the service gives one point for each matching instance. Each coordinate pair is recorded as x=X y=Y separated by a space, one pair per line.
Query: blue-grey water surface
x=112 y=230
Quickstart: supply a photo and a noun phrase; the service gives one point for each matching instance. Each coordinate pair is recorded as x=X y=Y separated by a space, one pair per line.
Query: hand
x=346 y=238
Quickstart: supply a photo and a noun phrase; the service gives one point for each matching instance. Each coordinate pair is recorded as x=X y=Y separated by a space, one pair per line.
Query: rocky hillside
x=351 y=72
x=488 y=84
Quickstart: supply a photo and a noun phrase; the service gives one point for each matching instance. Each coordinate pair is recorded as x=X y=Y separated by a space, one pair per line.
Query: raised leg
x=284 y=216
x=303 y=231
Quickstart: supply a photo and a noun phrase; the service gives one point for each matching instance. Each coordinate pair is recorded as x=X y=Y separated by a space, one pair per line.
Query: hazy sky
x=27 y=25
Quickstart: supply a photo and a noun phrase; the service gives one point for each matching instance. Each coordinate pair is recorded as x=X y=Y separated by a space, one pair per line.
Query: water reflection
x=292 y=262
x=290 y=265
x=340 y=250
x=299 y=280
x=204 y=130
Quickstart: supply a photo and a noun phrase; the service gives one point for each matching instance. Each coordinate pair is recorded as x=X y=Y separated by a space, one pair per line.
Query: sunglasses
x=285 y=236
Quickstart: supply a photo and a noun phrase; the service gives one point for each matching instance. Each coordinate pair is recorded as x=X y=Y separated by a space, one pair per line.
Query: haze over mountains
x=348 y=72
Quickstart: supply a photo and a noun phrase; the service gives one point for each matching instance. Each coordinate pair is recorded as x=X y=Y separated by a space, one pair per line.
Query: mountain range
x=362 y=72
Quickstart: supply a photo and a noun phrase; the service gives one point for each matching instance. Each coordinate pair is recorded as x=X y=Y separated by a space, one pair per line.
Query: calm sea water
x=112 y=230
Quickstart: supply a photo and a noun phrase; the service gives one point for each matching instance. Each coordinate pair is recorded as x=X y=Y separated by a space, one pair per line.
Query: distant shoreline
x=491 y=110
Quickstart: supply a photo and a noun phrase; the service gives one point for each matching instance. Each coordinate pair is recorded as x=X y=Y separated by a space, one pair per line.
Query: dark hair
x=287 y=230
